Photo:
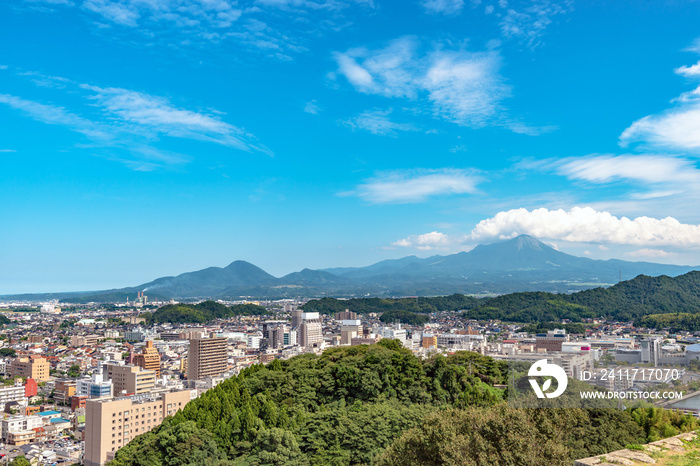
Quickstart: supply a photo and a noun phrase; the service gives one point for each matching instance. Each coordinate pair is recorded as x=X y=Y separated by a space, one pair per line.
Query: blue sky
x=142 y=138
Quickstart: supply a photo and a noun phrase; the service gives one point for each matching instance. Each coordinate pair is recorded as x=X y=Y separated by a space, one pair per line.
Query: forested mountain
x=201 y=313
x=380 y=404
x=517 y=265
x=625 y=301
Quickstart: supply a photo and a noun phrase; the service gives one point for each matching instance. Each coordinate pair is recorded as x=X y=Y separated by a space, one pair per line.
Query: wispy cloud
x=312 y=107
x=528 y=23
x=378 y=122
x=677 y=128
x=446 y=7
x=130 y=123
x=463 y=87
x=586 y=225
x=156 y=114
x=55 y=115
x=649 y=169
x=410 y=186
x=262 y=25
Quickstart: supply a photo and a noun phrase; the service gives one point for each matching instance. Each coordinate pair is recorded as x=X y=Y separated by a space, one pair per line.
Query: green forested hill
x=343 y=407
x=329 y=306
x=200 y=313
x=625 y=301
x=379 y=404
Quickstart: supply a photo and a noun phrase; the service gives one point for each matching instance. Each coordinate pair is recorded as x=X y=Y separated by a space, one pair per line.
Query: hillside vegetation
x=201 y=313
x=379 y=404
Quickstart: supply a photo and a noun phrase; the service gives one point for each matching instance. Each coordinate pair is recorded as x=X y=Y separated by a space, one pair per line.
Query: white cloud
x=378 y=122
x=645 y=168
x=312 y=107
x=689 y=71
x=586 y=225
x=651 y=253
x=447 y=7
x=427 y=241
x=8 y=150
x=677 y=128
x=408 y=186
x=462 y=87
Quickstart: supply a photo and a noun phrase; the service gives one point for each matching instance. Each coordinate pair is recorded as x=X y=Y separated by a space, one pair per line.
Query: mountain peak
x=527 y=242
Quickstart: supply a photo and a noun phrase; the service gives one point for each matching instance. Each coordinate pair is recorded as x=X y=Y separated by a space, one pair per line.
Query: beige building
x=85 y=340
x=112 y=423
x=130 y=380
x=207 y=357
x=149 y=358
x=34 y=367
x=349 y=330
x=310 y=330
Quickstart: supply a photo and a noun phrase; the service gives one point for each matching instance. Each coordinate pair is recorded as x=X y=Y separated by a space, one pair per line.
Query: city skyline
x=145 y=139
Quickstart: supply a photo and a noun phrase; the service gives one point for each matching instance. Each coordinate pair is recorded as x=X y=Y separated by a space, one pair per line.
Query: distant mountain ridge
x=519 y=264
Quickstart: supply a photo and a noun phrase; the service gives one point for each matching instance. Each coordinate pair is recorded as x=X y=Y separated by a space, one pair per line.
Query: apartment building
x=112 y=423
x=18 y=430
x=310 y=330
x=34 y=367
x=85 y=340
x=207 y=357
x=148 y=359
x=12 y=393
x=130 y=380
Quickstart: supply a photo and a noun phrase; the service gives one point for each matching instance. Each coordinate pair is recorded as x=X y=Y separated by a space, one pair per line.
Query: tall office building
x=112 y=423
x=149 y=358
x=345 y=315
x=310 y=330
x=206 y=358
x=129 y=380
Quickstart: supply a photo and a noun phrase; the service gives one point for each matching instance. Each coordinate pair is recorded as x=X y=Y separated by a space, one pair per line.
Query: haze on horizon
x=145 y=139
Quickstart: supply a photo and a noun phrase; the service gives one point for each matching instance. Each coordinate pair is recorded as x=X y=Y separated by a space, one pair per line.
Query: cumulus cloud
x=676 y=128
x=378 y=122
x=586 y=225
x=459 y=86
x=427 y=241
x=400 y=187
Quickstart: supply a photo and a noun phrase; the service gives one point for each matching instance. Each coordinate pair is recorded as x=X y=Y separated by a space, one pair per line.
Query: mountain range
x=519 y=264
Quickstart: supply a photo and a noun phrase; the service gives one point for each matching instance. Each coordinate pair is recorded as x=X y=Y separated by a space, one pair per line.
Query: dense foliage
x=4 y=320
x=405 y=317
x=340 y=408
x=201 y=313
x=675 y=322
x=381 y=405
x=623 y=302
x=330 y=306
